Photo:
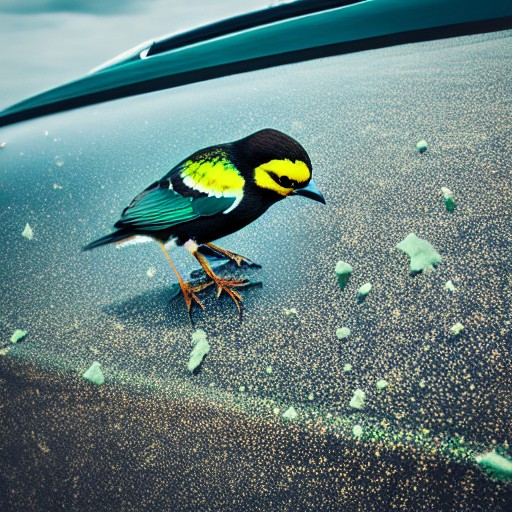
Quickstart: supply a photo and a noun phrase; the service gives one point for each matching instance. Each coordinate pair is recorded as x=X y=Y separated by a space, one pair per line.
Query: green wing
x=211 y=205
x=205 y=184
x=159 y=208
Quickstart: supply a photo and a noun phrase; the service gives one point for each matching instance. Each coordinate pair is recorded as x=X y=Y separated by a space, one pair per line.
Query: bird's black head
x=279 y=164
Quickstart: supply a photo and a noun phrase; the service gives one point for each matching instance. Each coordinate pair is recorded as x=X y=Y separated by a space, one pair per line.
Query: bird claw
x=199 y=287
x=189 y=294
x=227 y=286
x=210 y=249
x=246 y=261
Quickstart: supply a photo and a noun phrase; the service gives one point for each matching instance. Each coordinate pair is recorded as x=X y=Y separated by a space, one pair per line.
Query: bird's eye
x=285 y=182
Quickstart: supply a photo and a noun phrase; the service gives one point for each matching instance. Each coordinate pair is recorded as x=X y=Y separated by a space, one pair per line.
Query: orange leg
x=225 y=285
x=189 y=292
x=232 y=255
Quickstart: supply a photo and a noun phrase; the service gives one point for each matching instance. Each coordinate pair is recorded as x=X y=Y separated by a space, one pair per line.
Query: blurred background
x=46 y=43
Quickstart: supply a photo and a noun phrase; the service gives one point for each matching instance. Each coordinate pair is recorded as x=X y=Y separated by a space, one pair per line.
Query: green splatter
x=364 y=291
x=496 y=464
x=201 y=348
x=343 y=271
x=450 y=286
x=422 y=146
x=358 y=398
x=17 y=335
x=357 y=430
x=382 y=384
x=290 y=413
x=343 y=332
x=27 y=232
x=198 y=335
x=456 y=329
x=290 y=313
x=421 y=252
x=347 y=367
x=94 y=374
x=449 y=201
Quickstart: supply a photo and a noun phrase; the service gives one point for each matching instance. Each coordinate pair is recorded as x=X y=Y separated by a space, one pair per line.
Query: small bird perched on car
x=213 y=193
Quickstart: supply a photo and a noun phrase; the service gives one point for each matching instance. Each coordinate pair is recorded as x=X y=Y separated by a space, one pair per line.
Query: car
x=370 y=368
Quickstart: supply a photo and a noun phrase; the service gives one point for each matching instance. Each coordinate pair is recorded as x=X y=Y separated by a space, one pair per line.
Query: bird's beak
x=310 y=191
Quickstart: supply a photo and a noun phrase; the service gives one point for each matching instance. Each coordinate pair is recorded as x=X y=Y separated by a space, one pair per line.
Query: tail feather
x=116 y=236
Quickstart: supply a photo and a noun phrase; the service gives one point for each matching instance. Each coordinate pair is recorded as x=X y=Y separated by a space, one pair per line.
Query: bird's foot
x=239 y=259
x=227 y=285
x=223 y=285
x=189 y=293
x=233 y=256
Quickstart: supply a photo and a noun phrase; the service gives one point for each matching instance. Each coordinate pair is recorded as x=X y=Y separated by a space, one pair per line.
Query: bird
x=212 y=193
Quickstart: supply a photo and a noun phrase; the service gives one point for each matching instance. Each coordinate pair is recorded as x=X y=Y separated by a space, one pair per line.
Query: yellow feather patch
x=296 y=171
x=217 y=177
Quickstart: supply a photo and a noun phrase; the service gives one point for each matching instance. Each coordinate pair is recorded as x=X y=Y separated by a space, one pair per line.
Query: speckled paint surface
x=155 y=437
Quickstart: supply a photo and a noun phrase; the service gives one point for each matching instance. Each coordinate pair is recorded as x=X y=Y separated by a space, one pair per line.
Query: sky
x=46 y=43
